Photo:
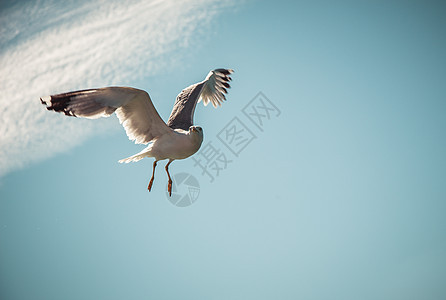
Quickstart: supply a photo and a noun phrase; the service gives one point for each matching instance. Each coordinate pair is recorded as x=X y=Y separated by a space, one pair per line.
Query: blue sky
x=340 y=196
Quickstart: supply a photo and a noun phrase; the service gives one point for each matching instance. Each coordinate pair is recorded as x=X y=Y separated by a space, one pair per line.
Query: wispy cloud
x=53 y=46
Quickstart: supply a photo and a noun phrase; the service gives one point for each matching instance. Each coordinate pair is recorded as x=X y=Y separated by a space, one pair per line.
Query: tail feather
x=137 y=157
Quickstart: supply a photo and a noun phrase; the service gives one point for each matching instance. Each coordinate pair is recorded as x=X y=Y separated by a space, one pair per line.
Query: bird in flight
x=176 y=139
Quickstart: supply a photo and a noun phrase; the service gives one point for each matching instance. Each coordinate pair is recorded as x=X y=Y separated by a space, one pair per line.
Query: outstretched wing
x=133 y=107
x=212 y=89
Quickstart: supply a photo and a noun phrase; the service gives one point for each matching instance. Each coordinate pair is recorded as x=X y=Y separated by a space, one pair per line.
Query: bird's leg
x=153 y=176
x=169 y=186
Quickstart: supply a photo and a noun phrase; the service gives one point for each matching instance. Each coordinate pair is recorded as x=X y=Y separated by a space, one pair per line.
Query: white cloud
x=55 y=46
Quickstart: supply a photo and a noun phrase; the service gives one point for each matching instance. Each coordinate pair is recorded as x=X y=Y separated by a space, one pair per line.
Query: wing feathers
x=86 y=103
x=141 y=120
x=182 y=114
x=133 y=107
x=135 y=110
x=215 y=87
x=212 y=89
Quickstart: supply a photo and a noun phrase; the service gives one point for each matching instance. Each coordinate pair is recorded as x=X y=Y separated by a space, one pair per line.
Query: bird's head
x=196 y=130
x=196 y=133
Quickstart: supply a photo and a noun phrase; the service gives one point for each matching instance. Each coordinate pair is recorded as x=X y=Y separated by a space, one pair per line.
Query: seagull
x=174 y=140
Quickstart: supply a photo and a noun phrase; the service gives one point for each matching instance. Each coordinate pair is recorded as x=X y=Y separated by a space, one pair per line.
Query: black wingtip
x=225 y=71
x=69 y=113
x=58 y=103
x=226 y=85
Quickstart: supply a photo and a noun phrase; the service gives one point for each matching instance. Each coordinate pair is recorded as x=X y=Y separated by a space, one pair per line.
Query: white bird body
x=178 y=144
x=176 y=139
